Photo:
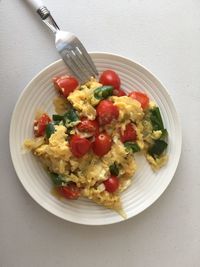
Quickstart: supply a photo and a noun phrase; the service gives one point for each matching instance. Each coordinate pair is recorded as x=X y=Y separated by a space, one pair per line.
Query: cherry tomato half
x=140 y=97
x=40 y=125
x=129 y=134
x=106 y=112
x=102 y=144
x=88 y=126
x=70 y=191
x=110 y=77
x=65 y=84
x=118 y=92
x=79 y=145
x=112 y=184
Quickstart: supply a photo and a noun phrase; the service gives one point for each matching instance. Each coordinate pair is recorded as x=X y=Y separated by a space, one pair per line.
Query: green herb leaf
x=158 y=148
x=57 y=118
x=67 y=118
x=103 y=92
x=57 y=179
x=164 y=133
x=49 y=130
x=114 y=169
x=70 y=116
x=156 y=119
x=133 y=147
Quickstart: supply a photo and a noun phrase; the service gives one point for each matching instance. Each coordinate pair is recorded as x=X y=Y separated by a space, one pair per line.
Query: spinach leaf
x=67 y=118
x=133 y=147
x=164 y=133
x=70 y=116
x=57 y=118
x=57 y=179
x=157 y=122
x=49 y=130
x=114 y=169
x=157 y=148
x=156 y=119
x=103 y=92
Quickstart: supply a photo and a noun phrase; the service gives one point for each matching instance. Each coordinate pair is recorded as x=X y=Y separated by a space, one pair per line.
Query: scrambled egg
x=84 y=101
x=89 y=171
x=129 y=109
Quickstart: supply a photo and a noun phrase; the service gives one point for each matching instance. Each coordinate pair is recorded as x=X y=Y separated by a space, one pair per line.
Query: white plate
x=147 y=186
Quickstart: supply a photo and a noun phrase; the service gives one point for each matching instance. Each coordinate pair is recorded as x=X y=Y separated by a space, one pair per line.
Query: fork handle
x=44 y=13
x=35 y=4
x=39 y=7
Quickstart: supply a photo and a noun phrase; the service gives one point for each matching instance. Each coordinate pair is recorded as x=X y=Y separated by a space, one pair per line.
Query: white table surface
x=164 y=36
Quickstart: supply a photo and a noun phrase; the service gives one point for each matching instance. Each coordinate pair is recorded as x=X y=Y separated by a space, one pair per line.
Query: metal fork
x=68 y=45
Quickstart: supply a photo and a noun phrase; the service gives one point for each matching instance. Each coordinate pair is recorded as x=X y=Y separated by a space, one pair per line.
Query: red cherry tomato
x=40 y=125
x=110 y=77
x=106 y=112
x=112 y=184
x=88 y=126
x=70 y=191
x=118 y=92
x=140 y=97
x=129 y=134
x=102 y=144
x=65 y=84
x=79 y=145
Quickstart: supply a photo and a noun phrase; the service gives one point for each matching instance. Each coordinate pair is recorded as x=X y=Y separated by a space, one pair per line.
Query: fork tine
x=80 y=64
x=85 y=63
x=86 y=57
x=77 y=67
x=72 y=67
x=75 y=56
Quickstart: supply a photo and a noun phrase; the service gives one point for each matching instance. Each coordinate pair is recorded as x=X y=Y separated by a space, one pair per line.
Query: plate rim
x=178 y=128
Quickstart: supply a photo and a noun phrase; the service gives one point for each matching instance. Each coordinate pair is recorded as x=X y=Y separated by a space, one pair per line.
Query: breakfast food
x=88 y=146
